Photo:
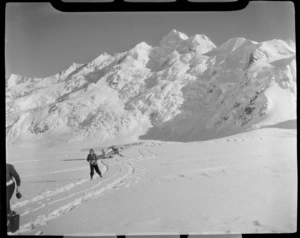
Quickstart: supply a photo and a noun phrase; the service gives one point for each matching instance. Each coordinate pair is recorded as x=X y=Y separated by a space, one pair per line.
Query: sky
x=41 y=41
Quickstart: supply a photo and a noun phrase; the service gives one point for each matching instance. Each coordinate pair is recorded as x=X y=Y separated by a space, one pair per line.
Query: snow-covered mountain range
x=184 y=89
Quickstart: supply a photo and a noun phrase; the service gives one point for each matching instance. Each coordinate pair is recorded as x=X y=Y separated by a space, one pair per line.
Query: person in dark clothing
x=116 y=150
x=93 y=160
x=11 y=174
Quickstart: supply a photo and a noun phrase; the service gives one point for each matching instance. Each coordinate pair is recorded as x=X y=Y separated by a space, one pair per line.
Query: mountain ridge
x=178 y=89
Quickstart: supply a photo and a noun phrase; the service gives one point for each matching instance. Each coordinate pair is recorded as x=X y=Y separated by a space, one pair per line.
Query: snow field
x=246 y=183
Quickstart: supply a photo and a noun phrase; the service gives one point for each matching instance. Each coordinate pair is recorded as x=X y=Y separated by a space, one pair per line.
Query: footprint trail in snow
x=118 y=173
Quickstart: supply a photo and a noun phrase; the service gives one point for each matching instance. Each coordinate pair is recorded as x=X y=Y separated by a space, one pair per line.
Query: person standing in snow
x=10 y=185
x=93 y=160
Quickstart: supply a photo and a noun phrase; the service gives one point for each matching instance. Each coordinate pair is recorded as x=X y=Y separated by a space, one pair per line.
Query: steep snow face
x=184 y=89
x=276 y=49
x=198 y=43
x=266 y=94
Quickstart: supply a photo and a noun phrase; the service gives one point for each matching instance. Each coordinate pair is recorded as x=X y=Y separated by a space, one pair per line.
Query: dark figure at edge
x=11 y=175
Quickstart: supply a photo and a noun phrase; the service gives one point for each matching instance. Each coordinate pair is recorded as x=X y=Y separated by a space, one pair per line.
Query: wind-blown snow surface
x=246 y=183
x=184 y=89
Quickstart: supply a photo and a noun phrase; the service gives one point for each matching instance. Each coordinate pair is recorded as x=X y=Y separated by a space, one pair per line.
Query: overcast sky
x=41 y=41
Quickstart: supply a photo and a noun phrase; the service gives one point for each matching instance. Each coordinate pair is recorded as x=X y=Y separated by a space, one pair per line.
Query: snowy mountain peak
x=173 y=36
x=141 y=46
x=76 y=65
x=291 y=43
x=178 y=89
x=200 y=43
x=101 y=58
x=276 y=47
x=15 y=79
x=272 y=50
x=72 y=68
x=177 y=33
x=139 y=53
x=200 y=37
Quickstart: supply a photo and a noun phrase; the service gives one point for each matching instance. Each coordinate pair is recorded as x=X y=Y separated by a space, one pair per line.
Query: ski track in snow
x=43 y=219
x=48 y=194
x=72 y=195
x=30 y=161
x=111 y=183
x=83 y=191
x=55 y=172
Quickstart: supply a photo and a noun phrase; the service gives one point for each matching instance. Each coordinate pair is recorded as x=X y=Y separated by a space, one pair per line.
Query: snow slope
x=226 y=177
x=184 y=89
x=246 y=183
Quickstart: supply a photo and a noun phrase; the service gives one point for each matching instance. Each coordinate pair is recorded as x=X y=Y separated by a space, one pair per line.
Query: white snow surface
x=245 y=183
